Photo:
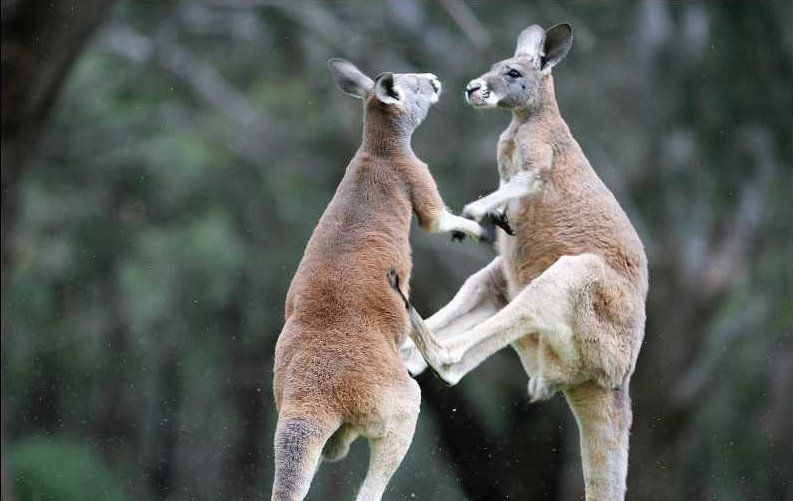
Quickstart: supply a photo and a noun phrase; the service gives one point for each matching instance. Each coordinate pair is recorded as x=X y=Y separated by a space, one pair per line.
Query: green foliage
x=181 y=177
x=47 y=469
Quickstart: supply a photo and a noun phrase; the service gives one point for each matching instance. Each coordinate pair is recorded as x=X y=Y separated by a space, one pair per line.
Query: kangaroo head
x=404 y=98
x=515 y=82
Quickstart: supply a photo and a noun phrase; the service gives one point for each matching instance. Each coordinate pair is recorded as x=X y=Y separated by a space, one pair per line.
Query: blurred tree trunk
x=490 y=466
x=115 y=424
x=161 y=468
x=464 y=440
x=40 y=42
x=246 y=373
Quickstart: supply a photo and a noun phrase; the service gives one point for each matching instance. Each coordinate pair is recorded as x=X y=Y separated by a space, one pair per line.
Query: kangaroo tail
x=420 y=329
x=298 y=446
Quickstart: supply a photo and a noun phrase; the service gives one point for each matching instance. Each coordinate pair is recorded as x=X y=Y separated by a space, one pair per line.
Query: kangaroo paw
x=499 y=218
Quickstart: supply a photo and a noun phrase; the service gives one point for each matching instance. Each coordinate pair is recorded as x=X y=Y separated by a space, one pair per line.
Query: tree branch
x=205 y=81
x=468 y=23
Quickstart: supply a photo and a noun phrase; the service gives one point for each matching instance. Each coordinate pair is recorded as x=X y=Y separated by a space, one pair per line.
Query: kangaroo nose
x=436 y=84
x=473 y=86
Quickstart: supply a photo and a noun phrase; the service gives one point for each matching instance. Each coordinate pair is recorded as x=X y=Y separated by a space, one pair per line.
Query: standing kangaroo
x=338 y=371
x=568 y=291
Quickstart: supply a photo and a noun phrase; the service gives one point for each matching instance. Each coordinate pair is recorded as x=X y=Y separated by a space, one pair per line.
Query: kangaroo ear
x=350 y=78
x=557 y=44
x=530 y=41
x=386 y=89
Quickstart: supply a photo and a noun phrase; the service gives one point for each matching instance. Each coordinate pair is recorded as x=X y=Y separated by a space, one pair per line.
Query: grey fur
x=530 y=42
x=350 y=78
x=557 y=43
x=514 y=83
x=413 y=93
x=292 y=442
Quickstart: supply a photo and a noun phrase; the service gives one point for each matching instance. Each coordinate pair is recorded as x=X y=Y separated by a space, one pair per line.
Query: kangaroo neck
x=543 y=113
x=383 y=136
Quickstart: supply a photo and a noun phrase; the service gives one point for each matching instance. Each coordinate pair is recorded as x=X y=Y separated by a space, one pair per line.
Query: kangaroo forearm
x=524 y=184
x=428 y=205
x=424 y=196
x=448 y=222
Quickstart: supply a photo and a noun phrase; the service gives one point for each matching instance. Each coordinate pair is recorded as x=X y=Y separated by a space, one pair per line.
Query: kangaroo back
x=337 y=371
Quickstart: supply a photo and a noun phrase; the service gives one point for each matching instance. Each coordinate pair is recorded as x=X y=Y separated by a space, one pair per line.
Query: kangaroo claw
x=499 y=219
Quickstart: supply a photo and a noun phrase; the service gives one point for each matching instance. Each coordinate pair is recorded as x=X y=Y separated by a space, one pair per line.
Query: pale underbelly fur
x=536 y=355
x=509 y=251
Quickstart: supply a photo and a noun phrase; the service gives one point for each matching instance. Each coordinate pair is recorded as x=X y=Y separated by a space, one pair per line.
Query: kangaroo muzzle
x=477 y=93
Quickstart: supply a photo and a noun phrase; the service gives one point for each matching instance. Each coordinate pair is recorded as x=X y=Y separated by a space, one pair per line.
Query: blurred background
x=163 y=165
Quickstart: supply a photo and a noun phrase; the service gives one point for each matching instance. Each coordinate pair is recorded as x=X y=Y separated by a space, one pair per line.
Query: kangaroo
x=568 y=291
x=338 y=371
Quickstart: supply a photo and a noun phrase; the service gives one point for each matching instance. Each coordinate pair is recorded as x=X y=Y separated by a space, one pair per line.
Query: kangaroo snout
x=473 y=86
x=477 y=93
x=436 y=83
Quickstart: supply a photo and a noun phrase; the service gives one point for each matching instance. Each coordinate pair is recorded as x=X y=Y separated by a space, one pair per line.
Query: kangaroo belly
x=542 y=236
x=559 y=223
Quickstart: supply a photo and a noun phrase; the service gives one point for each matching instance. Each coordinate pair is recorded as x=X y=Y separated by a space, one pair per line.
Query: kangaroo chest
x=542 y=229
x=509 y=158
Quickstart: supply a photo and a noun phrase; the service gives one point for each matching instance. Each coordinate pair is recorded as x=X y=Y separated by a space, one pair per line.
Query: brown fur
x=574 y=213
x=340 y=309
x=338 y=371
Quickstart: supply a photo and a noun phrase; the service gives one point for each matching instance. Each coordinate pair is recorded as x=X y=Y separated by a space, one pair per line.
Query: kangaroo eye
x=514 y=74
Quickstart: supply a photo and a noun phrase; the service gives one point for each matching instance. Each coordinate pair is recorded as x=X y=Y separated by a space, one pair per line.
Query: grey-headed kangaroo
x=568 y=291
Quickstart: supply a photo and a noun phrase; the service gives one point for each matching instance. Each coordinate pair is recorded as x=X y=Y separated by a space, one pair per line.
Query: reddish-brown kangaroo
x=338 y=371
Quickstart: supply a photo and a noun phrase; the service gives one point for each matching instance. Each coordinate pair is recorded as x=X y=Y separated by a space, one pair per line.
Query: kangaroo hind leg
x=481 y=296
x=604 y=421
x=338 y=445
x=545 y=307
x=391 y=442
